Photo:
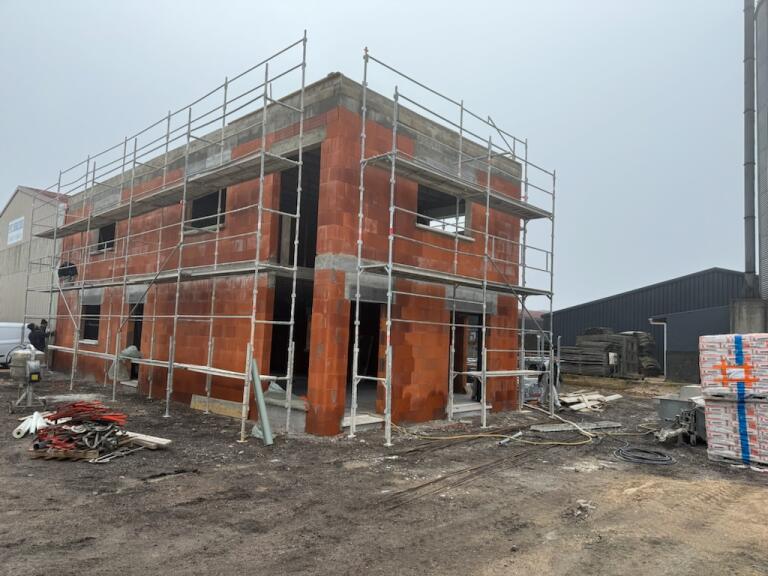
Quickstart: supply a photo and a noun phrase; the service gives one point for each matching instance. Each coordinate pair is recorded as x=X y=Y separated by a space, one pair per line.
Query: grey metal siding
x=631 y=310
x=684 y=328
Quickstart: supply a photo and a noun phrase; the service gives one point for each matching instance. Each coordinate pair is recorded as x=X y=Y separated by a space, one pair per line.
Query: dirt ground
x=209 y=505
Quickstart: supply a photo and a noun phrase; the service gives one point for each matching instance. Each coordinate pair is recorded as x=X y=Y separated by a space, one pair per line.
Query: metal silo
x=761 y=36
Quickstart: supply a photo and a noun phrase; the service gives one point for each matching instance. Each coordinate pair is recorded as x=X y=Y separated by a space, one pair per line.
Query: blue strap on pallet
x=741 y=406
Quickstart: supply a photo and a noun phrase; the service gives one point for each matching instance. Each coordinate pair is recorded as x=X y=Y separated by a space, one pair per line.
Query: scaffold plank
x=433 y=177
x=200 y=183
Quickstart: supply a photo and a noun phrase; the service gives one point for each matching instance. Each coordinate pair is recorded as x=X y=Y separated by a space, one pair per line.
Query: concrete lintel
x=475 y=298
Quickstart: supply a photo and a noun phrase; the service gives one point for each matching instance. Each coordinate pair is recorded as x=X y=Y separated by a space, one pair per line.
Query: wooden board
x=147 y=441
x=217 y=406
x=575 y=398
x=565 y=427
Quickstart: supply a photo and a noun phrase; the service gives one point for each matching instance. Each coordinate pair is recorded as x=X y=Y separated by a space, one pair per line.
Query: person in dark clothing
x=44 y=328
x=46 y=333
x=36 y=337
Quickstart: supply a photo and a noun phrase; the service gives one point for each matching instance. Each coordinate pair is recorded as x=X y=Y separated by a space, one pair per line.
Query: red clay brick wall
x=420 y=351
x=502 y=392
x=420 y=354
x=234 y=295
x=230 y=335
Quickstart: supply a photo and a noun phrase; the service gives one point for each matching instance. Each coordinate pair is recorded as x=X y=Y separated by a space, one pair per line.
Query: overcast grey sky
x=637 y=105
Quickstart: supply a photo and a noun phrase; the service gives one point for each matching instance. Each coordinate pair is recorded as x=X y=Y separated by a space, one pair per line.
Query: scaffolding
x=476 y=168
x=225 y=137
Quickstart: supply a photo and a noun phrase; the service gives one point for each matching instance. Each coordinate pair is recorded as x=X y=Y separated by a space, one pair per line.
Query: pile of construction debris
x=83 y=430
x=586 y=400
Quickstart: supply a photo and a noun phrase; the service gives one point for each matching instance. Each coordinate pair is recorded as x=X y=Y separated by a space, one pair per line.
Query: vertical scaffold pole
x=360 y=221
x=257 y=257
x=484 y=329
x=522 y=265
x=452 y=373
x=85 y=249
x=182 y=226
x=390 y=263
x=29 y=266
x=295 y=264
x=126 y=248
x=211 y=320
x=53 y=260
x=150 y=379
x=108 y=339
x=247 y=392
x=552 y=371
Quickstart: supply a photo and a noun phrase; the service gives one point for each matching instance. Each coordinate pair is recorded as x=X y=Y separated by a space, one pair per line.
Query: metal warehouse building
x=676 y=312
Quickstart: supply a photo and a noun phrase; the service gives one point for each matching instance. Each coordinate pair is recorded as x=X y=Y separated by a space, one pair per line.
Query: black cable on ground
x=642 y=456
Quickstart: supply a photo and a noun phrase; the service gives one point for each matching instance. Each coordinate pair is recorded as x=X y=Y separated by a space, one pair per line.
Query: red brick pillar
x=336 y=235
x=328 y=353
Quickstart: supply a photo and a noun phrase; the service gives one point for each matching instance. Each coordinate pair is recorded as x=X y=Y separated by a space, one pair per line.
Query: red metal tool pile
x=80 y=430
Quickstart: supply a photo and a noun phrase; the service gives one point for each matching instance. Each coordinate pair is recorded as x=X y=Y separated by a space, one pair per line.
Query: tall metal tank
x=761 y=52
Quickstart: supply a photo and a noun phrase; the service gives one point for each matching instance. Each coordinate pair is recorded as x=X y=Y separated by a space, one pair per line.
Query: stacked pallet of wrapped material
x=734 y=376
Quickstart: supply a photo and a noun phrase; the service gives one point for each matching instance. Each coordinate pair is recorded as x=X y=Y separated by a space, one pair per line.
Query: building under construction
x=371 y=255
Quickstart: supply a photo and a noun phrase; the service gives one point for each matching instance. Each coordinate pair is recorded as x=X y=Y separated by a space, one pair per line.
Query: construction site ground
x=308 y=505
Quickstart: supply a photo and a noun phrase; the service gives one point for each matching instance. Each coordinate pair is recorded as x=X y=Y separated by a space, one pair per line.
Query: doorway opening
x=278 y=362
x=135 y=325
x=368 y=360
x=467 y=357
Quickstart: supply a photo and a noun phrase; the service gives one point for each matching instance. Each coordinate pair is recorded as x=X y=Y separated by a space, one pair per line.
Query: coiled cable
x=643 y=456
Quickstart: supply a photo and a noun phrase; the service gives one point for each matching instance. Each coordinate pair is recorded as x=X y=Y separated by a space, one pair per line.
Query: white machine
x=26 y=370
x=13 y=336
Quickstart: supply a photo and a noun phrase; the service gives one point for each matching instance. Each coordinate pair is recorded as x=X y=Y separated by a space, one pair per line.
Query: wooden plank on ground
x=217 y=406
x=588 y=405
x=147 y=441
x=565 y=427
x=572 y=398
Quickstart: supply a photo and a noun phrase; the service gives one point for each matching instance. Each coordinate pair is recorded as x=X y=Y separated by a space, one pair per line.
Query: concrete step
x=364 y=421
x=468 y=409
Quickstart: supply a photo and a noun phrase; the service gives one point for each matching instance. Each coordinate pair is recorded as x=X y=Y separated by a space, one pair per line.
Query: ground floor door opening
x=368 y=360
x=302 y=328
x=135 y=325
x=468 y=356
